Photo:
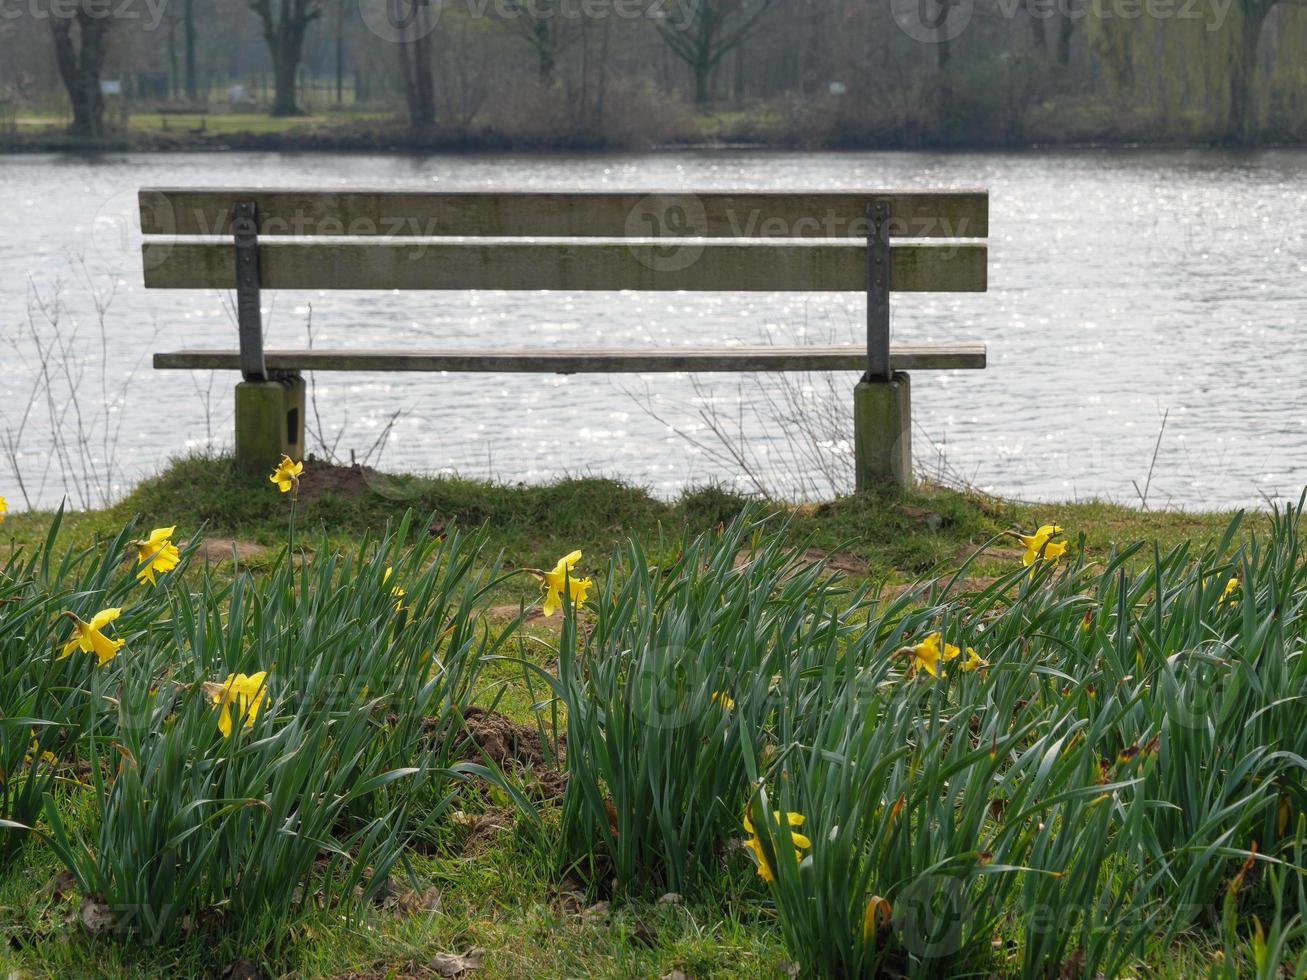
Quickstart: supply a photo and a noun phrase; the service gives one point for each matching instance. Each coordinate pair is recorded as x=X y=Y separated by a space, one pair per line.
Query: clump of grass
x=341 y=751
x=1096 y=751
x=681 y=658
x=51 y=704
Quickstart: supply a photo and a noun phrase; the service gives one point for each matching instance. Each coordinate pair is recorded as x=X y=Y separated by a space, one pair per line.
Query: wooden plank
x=631 y=214
x=548 y=360
x=571 y=266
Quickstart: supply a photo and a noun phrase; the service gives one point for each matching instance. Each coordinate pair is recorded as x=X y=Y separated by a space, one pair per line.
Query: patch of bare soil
x=321 y=477
x=215 y=550
x=510 y=746
x=996 y=551
x=836 y=561
x=840 y=561
x=534 y=617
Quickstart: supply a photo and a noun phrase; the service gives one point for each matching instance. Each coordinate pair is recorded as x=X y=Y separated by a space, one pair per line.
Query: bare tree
x=284 y=30
x=705 y=31
x=542 y=25
x=80 y=45
x=1241 y=120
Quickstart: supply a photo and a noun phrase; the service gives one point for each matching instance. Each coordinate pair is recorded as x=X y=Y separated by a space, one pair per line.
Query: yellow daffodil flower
x=4 y=506
x=156 y=553
x=876 y=917
x=1040 y=544
x=396 y=593
x=246 y=691
x=1228 y=597
x=287 y=474
x=972 y=662
x=927 y=654
x=49 y=758
x=89 y=638
x=560 y=578
x=722 y=698
x=754 y=843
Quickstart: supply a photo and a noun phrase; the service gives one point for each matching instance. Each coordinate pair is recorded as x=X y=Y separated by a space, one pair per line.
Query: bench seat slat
x=566 y=266
x=600 y=214
x=591 y=361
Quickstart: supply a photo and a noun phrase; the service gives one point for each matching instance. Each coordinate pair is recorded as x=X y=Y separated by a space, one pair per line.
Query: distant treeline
x=632 y=73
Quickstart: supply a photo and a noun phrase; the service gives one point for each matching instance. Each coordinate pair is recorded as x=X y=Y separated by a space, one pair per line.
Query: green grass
x=496 y=891
x=888 y=536
x=217 y=123
x=247 y=122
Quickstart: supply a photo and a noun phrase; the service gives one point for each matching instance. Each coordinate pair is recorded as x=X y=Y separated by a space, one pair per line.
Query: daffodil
x=89 y=638
x=561 y=578
x=4 y=506
x=156 y=553
x=396 y=593
x=1041 y=544
x=247 y=692
x=971 y=662
x=722 y=698
x=49 y=758
x=287 y=474
x=927 y=654
x=1228 y=597
x=754 y=843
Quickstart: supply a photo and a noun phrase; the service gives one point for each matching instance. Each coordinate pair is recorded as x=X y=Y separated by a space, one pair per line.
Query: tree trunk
x=80 y=61
x=702 y=80
x=1241 y=128
x=1038 y=35
x=174 y=75
x=419 y=86
x=1065 y=29
x=340 y=53
x=188 y=26
x=284 y=33
x=285 y=66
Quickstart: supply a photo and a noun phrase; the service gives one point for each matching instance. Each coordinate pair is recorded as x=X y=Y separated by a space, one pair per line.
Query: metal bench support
x=882 y=411
x=269 y=410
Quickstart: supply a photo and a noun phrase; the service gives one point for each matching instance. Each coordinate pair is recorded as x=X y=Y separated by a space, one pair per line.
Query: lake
x=1144 y=315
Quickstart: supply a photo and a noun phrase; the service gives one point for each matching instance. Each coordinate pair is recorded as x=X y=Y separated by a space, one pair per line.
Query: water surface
x=1125 y=288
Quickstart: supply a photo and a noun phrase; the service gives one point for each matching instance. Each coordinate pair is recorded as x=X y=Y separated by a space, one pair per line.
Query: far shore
x=399 y=139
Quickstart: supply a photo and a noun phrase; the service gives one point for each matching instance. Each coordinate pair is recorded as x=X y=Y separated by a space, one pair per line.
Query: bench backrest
x=833 y=241
x=785 y=242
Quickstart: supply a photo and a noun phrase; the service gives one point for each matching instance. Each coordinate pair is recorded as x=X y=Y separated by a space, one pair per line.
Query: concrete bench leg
x=882 y=432
x=269 y=423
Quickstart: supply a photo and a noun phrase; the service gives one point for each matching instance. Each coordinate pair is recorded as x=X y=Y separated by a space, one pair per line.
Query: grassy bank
x=889 y=536
x=480 y=879
x=763 y=127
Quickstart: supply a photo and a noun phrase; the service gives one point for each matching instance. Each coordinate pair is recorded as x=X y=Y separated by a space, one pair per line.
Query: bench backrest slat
x=500 y=214
x=581 y=266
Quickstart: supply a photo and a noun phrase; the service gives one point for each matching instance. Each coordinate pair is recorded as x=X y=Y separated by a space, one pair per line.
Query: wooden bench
x=830 y=241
